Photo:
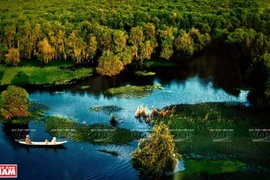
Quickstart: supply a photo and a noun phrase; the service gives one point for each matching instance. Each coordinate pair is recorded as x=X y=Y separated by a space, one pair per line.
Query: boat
x=33 y=143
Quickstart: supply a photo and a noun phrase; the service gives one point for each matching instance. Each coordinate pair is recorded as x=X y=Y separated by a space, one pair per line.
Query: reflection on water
x=205 y=79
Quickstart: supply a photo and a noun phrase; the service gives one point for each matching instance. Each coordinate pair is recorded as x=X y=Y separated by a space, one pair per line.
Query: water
x=84 y=161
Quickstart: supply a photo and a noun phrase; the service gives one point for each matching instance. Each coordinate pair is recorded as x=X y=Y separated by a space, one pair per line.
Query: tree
x=13 y=56
x=184 y=44
x=167 y=38
x=109 y=64
x=146 y=51
x=150 y=34
x=136 y=39
x=77 y=46
x=155 y=154
x=91 y=47
x=46 y=51
x=15 y=102
x=125 y=56
x=119 y=41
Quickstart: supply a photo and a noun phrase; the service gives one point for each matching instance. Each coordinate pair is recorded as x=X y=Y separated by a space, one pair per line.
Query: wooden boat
x=33 y=143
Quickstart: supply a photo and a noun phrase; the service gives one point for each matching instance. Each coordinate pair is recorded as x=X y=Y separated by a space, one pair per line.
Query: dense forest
x=112 y=34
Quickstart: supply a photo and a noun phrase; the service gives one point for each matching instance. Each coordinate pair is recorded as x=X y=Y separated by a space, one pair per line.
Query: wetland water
x=195 y=83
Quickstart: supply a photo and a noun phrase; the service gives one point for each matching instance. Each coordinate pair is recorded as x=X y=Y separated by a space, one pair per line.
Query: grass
x=99 y=133
x=144 y=73
x=114 y=153
x=205 y=116
x=132 y=91
x=212 y=167
x=106 y=109
x=22 y=75
x=196 y=168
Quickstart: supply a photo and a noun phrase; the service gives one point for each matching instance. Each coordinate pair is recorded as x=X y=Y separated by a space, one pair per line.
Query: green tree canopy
x=155 y=154
x=109 y=64
x=15 y=103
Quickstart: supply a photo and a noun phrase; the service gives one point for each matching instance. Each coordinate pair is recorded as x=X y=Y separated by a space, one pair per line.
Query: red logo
x=8 y=171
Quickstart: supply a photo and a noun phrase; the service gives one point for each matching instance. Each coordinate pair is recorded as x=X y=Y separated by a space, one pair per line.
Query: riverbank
x=42 y=75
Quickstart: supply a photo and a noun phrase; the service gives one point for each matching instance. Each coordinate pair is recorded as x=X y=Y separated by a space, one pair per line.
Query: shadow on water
x=221 y=71
x=46 y=148
x=17 y=132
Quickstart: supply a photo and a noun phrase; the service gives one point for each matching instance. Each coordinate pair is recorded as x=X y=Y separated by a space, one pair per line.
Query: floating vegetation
x=84 y=87
x=145 y=73
x=99 y=133
x=196 y=167
x=106 y=109
x=205 y=116
x=114 y=153
x=132 y=91
x=162 y=112
x=143 y=113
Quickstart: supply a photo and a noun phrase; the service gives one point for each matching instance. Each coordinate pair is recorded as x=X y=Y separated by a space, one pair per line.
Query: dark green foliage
x=258 y=77
x=95 y=133
x=204 y=116
x=131 y=30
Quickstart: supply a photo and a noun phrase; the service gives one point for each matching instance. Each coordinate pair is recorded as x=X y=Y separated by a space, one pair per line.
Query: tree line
x=113 y=34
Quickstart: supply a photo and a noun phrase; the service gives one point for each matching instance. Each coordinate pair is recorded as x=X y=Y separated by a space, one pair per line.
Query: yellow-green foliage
x=132 y=91
x=41 y=75
x=155 y=154
x=144 y=73
x=14 y=103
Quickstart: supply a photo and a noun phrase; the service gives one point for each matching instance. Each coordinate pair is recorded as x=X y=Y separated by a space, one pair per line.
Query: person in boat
x=54 y=140
x=46 y=141
x=27 y=140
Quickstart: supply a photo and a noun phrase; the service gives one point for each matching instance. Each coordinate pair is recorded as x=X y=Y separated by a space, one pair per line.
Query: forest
x=109 y=35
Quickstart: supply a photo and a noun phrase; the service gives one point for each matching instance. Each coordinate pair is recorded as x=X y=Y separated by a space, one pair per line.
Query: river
x=195 y=83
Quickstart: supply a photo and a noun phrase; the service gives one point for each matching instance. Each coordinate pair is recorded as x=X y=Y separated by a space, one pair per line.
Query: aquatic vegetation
x=162 y=112
x=132 y=91
x=143 y=113
x=106 y=109
x=144 y=73
x=205 y=116
x=210 y=167
x=85 y=87
x=99 y=133
x=114 y=153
